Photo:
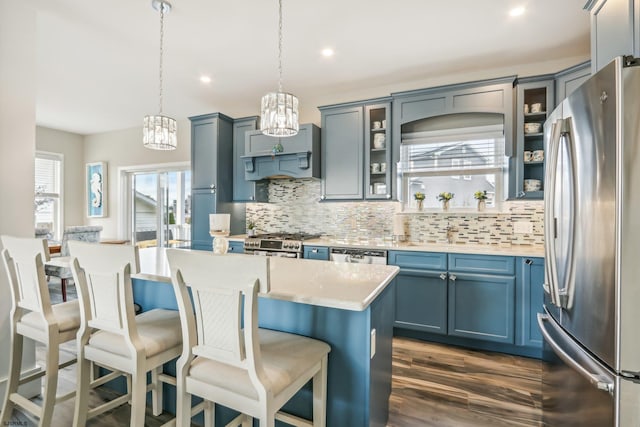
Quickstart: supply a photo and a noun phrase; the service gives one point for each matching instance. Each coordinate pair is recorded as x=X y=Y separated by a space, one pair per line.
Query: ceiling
x=97 y=62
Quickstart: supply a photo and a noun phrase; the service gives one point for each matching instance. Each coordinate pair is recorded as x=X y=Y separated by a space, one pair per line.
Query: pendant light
x=160 y=131
x=279 y=111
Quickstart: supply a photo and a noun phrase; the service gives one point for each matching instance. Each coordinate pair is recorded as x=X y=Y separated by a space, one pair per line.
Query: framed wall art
x=96 y=179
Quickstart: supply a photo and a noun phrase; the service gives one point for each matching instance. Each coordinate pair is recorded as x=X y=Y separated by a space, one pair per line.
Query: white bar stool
x=33 y=316
x=112 y=336
x=254 y=371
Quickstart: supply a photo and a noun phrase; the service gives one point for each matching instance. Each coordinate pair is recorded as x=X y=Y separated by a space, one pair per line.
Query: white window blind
x=47 y=175
x=444 y=151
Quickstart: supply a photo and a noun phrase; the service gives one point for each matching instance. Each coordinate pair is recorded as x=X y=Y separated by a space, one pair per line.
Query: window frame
x=58 y=220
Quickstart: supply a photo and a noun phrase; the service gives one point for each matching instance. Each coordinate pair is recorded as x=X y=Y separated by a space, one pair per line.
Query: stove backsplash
x=294 y=206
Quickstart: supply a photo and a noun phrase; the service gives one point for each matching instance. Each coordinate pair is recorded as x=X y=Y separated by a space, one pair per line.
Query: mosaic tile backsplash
x=294 y=206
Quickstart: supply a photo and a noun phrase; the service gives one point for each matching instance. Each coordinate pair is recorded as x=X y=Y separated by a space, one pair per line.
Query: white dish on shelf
x=532 y=127
x=379 y=140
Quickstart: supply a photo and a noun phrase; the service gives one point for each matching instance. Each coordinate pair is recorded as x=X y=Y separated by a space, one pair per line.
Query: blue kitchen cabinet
x=482 y=306
x=212 y=177
x=351 y=143
x=421 y=291
x=421 y=300
x=203 y=202
x=530 y=91
x=243 y=189
x=342 y=159
x=316 y=252
x=570 y=79
x=236 y=247
x=529 y=295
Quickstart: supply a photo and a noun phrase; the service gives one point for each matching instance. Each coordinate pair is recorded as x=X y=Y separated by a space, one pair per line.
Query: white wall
x=17 y=147
x=71 y=146
x=124 y=148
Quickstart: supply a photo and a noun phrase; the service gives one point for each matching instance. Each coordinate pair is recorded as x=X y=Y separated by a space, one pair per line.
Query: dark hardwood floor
x=445 y=386
x=433 y=385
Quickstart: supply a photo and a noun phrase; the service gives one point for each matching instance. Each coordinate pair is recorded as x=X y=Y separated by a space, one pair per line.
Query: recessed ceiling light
x=517 y=11
x=205 y=79
x=327 y=52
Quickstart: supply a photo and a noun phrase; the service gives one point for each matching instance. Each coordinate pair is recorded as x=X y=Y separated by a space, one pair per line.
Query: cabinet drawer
x=316 y=252
x=421 y=260
x=236 y=248
x=491 y=264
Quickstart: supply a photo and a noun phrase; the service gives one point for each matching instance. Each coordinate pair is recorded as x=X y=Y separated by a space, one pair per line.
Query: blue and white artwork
x=96 y=189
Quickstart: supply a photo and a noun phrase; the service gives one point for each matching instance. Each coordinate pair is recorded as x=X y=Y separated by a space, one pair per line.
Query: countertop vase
x=481 y=205
x=445 y=205
x=420 y=202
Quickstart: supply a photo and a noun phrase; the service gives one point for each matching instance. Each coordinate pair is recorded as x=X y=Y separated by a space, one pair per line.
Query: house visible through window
x=48 y=194
x=459 y=161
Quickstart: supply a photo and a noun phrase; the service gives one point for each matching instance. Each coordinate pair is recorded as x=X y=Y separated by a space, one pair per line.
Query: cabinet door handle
x=388 y=196
x=528 y=262
x=251 y=198
x=212 y=187
x=443 y=276
x=452 y=277
x=323 y=197
x=314 y=251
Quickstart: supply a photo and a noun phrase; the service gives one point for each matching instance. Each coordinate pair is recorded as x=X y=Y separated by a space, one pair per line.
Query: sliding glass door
x=161 y=208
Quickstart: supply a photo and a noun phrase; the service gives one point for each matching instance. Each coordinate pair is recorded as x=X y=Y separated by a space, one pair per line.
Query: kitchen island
x=348 y=306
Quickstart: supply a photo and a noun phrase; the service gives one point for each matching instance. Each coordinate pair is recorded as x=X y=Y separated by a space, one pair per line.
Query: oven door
x=273 y=253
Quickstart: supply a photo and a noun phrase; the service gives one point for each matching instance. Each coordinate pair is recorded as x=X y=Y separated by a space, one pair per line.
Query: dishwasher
x=358 y=256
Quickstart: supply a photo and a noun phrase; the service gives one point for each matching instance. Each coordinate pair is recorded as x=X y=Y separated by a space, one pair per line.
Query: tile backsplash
x=294 y=206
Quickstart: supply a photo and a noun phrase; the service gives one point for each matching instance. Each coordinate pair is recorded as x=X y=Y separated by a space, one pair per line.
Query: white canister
x=538 y=156
x=375 y=167
x=527 y=156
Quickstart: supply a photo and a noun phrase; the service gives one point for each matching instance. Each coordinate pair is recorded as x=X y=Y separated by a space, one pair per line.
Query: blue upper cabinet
x=535 y=101
x=356 y=151
x=244 y=190
x=342 y=156
x=568 y=80
x=212 y=176
x=615 y=30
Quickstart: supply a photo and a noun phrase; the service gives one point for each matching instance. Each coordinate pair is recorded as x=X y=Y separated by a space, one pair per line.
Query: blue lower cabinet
x=316 y=252
x=530 y=294
x=421 y=300
x=236 y=247
x=203 y=203
x=482 y=306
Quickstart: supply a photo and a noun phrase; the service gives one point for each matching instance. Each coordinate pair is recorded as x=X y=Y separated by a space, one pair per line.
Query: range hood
x=268 y=157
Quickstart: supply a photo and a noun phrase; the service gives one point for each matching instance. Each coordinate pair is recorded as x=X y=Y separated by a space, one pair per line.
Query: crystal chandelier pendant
x=279 y=110
x=159 y=132
x=279 y=114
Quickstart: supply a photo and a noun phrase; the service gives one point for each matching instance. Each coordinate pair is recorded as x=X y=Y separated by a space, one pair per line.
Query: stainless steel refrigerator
x=591 y=324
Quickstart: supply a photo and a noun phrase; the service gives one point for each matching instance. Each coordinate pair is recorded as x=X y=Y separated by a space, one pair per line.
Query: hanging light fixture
x=279 y=112
x=159 y=131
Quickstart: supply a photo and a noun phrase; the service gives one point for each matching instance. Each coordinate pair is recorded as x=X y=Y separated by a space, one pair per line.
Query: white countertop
x=462 y=248
x=328 y=284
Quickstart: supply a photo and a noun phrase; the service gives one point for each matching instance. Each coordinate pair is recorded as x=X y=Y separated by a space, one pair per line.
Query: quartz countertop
x=463 y=248
x=328 y=284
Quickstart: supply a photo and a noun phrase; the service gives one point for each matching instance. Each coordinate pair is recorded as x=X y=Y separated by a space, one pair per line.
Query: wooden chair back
x=224 y=290
x=103 y=277
x=24 y=260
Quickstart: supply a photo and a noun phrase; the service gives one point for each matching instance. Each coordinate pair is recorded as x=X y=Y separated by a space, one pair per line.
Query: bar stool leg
x=13 y=378
x=138 y=396
x=51 y=383
x=82 y=392
x=156 y=391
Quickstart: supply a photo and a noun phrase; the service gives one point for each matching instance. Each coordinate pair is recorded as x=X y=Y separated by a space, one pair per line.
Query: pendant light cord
x=279 y=45
x=161 y=50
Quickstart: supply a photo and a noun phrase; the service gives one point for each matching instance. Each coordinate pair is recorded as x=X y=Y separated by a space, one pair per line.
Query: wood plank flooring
x=433 y=385
x=445 y=386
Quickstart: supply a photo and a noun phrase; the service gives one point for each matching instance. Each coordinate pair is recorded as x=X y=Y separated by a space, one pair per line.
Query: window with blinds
x=460 y=161
x=47 y=198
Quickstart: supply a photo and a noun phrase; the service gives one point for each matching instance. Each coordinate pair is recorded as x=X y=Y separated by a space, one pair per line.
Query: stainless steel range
x=277 y=244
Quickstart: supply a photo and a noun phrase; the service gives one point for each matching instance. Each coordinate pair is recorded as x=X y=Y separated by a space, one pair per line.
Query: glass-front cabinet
x=535 y=101
x=377 y=151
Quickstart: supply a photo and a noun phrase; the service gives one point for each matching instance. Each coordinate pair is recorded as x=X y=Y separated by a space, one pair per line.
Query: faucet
x=450 y=230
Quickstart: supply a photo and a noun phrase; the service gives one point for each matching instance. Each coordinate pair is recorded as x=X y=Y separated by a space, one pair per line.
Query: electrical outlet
x=523 y=227
x=373 y=343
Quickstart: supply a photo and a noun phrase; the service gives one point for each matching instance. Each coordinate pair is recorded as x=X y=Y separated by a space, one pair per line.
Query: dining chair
x=113 y=337
x=226 y=358
x=84 y=233
x=32 y=316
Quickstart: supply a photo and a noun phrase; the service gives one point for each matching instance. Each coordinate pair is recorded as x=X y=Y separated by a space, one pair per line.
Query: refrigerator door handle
x=551 y=272
x=601 y=382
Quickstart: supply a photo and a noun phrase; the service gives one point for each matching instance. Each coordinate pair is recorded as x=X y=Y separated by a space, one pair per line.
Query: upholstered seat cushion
x=159 y=330
x=285 y=358
x=67 y=314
